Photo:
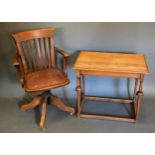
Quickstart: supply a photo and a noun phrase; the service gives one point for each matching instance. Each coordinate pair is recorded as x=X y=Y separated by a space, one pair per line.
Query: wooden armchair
x=35 y=62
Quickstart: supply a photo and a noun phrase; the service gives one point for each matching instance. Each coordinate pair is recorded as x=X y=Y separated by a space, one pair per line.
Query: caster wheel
x=72 y=113
x=43 y=129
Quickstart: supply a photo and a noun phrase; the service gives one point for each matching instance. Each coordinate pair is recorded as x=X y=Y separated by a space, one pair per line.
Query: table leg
x=78 y=89
x=135 y=96
x=83 y=85
x=139 y=94
x=83 y=82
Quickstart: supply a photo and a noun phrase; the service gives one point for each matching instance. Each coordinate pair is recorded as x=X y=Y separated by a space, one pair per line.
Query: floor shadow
x=130 y=96
x=72 y=58
x=129 y=111
x=25 y=100
x=71 y=61
x=128 y=88
x=116 y=85
x=37 y=114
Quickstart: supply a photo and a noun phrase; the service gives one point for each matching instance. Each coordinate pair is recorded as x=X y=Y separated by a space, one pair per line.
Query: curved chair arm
x=64 y=61
x=62 y=52
x=15 y=60
x=16 y=64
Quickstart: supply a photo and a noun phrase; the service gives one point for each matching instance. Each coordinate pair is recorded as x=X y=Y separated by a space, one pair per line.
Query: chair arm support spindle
x=65 y=56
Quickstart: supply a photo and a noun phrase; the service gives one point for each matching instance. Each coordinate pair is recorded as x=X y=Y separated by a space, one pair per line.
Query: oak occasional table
x=115 y=65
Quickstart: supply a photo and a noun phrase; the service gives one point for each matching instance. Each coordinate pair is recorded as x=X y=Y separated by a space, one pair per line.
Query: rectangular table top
x=111 y=62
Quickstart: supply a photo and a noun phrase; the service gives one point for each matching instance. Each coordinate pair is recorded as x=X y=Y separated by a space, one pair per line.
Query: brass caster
x=21 y=109
x=43 y=129
x=72 y=113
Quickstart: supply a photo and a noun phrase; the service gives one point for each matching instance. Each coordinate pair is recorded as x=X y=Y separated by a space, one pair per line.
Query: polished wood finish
x=113 y=74
x=110 y=64
x=44 y=80
x=16 y=64
x=34 y=34
x=57 y=102
x=108 y=99
x=43 y=113
x=35 y=62
x=115 y=118
x=78 y=89
x=34 y=103
x=64 y=53
x=139 y=94
x=135 y=96
x=64 y=61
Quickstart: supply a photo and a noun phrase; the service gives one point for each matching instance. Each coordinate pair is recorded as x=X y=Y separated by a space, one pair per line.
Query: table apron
x=103 y=73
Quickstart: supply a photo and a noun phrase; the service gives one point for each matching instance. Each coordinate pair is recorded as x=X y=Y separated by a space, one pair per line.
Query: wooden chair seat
x=45 y=80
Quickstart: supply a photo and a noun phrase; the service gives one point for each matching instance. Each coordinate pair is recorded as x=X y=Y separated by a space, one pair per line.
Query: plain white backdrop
x=77 y=10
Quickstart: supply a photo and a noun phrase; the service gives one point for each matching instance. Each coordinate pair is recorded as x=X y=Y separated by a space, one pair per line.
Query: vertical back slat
x=30 y=53
x=34 y=50
x=43 y=52
x=26 y=56
x=39 y=53
x=48 y=52
x=52 y=53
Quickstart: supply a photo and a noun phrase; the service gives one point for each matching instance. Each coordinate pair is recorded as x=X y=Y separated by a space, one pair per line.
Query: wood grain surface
x=111 y=62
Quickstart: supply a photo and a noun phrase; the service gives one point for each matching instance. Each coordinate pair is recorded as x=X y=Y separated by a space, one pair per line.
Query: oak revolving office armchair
x=35 y=62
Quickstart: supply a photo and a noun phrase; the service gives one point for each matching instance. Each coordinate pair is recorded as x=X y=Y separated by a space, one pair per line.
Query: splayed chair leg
x=34 y=103
x=43 y=100
x=57 y=102
x=43 y=113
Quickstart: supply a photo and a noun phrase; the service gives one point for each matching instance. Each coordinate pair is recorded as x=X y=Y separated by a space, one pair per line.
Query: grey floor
x=13 y=120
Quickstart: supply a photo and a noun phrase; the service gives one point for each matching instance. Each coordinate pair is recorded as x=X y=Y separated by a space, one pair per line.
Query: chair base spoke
x=43 y=100
x=57 y=102
x=34 y=103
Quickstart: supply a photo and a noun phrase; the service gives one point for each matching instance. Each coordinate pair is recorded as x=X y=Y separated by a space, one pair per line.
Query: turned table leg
x=135 y=96
x=139 y=94
x=78 y=89
x=83 y=85
x=83 y=82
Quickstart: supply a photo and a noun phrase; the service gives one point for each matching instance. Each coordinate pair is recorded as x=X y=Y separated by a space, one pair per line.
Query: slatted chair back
x=36 y=49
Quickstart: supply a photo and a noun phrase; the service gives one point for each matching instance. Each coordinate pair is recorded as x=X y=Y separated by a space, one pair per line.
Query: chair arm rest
x=16 y=64
x=62 y=52
x=15 y=60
